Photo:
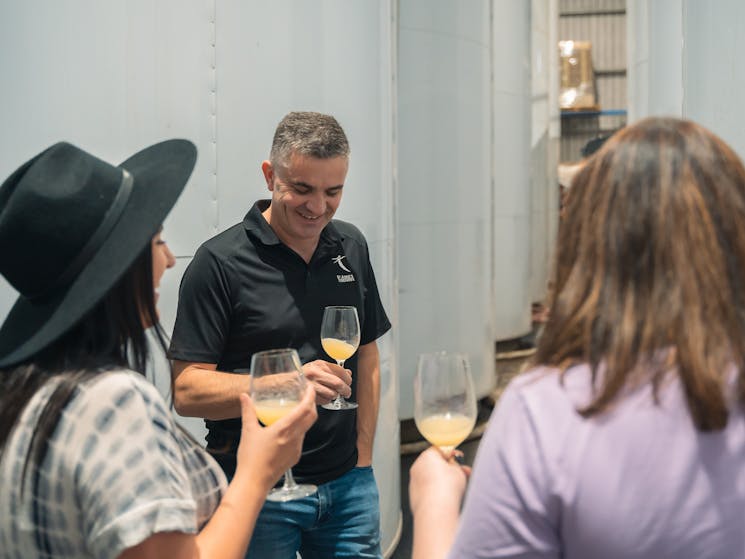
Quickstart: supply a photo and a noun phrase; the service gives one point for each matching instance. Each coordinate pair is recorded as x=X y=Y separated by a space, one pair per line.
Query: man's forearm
x=368 y=399
x=202 y=391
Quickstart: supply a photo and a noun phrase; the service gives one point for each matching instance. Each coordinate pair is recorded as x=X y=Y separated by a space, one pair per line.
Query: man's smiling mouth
x=308 y=217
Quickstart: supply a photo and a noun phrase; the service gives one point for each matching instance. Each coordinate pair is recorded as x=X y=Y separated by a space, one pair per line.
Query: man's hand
x=328 y=380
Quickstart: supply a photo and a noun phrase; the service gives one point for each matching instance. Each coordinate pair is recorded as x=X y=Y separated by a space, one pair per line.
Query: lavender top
x=638 y=481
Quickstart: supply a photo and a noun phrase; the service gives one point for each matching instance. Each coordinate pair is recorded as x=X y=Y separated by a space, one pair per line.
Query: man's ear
x=268 y=170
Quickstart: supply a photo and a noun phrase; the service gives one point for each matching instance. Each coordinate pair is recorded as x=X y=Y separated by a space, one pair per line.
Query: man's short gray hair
x=309 y=134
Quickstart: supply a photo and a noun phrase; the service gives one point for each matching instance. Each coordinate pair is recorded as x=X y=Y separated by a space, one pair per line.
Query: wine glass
x=277 y=386
x=444 y=399
x=340 y=338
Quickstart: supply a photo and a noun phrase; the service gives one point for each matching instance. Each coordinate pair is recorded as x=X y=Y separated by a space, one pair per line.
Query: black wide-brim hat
x=70 y=226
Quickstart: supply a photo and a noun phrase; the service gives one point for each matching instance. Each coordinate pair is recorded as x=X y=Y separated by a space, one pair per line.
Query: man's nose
x=316 y=203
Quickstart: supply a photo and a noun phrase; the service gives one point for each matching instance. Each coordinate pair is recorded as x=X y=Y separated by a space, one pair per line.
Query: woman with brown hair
x=627 y=437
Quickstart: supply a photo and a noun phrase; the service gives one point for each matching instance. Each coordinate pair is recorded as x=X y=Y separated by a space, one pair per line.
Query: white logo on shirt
x=343 y=278
x=338 y=260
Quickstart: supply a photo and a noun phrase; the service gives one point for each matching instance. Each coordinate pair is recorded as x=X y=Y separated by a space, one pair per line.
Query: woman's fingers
x=248 y=413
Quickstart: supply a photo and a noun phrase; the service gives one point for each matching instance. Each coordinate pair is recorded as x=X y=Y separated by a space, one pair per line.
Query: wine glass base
x=336 y=405
x=299 y=491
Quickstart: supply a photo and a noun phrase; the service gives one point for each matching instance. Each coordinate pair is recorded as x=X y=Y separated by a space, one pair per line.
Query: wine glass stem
x=289 y=483
x=339 y=400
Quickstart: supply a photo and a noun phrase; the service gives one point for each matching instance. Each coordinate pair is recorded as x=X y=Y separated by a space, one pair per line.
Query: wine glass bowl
x=338 y=350
x=275 y=395
x=444 y=399
x=340 y=338
x=277 y=386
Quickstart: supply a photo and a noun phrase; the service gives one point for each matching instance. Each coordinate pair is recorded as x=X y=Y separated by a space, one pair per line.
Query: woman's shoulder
x=542 y=378
x=116 y=393
x=120 y=376
x=542 y=387
x=119 y=380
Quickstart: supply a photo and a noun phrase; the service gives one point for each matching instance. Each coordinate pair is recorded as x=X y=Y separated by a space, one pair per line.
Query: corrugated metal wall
x=603 y=23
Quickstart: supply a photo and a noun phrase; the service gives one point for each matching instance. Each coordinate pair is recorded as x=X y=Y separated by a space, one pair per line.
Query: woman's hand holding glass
x=436 y=480
x=444 y=399
x=279 y=393
x=265 y=453
x=445 y=413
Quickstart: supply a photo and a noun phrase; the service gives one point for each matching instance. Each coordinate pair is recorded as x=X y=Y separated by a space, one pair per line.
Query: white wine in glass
x=340 y=338
x=444 y=399
x=272 y=410
x=277 y=386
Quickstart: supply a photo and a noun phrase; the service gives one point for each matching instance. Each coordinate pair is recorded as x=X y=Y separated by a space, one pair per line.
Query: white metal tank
x=113 y=77
x=464 y=182
x=544 y=143
x=445 y=190
x=685 y=61
x=511 y=44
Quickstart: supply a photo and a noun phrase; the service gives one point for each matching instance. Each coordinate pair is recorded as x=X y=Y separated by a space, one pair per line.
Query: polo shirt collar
x=255 y=224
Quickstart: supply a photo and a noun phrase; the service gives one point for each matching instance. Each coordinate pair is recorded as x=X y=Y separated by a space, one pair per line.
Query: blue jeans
x=341 y=520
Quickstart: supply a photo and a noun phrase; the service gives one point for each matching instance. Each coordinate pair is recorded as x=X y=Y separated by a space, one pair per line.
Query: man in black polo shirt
x=263 y=284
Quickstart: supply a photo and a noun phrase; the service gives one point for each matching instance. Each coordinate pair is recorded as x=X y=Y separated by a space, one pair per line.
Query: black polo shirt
x=245 y=291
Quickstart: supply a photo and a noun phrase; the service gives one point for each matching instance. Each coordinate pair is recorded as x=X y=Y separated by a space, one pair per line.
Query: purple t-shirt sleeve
x=510 y=509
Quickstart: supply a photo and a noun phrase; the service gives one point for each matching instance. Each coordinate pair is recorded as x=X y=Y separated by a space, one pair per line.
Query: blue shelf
x=585 y=114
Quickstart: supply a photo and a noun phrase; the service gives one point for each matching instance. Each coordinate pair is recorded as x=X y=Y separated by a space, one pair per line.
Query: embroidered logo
x=338 y=260
x=343 y=278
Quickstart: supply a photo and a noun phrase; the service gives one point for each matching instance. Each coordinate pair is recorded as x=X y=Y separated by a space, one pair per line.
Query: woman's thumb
x=248 y=413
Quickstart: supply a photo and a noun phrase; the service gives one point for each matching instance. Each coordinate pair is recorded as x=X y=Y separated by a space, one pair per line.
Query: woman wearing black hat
x=91 y=461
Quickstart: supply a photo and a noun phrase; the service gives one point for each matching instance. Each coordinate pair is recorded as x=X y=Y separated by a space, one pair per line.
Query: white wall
x=116 y=76
x=444 y=169
x=686 y=60
x=473 y=235
x=713 y=69
x=544 y=142
x=459 y=126
x=655 y=57
x=512 y=198
x=109 y=77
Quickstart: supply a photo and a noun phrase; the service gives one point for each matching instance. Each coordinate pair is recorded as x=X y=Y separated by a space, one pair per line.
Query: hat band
x=96 y=240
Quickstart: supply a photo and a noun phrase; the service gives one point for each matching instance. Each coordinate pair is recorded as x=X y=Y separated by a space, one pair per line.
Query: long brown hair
x=651 y=262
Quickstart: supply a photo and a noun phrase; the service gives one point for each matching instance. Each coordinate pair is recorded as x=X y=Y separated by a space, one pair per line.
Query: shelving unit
x=579 y=127
x=603 y=23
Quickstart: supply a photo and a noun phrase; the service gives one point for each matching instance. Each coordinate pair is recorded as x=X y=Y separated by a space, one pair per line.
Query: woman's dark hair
x=112 y=335
x=650 y=268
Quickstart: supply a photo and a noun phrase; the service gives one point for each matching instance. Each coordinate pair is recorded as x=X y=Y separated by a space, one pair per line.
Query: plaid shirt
x=117 y=470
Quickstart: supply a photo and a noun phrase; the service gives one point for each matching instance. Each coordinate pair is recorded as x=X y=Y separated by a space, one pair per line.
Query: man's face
x=305 y=194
